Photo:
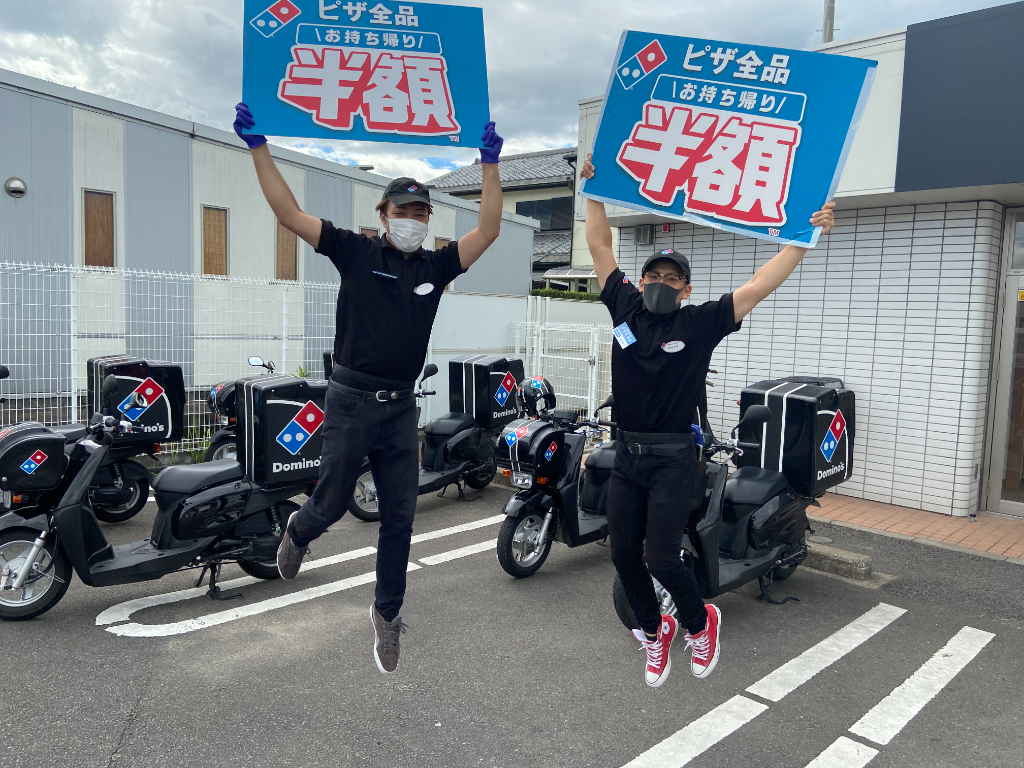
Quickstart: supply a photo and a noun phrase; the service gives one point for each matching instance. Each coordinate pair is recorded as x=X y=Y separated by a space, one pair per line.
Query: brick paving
x=993 y=535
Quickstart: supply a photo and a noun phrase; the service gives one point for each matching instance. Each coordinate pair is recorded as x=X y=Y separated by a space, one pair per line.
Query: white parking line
x=455 y=554
x=458 y=529
x=844 y=753
x=891 y=714
x=700 y=735
x=798 y=671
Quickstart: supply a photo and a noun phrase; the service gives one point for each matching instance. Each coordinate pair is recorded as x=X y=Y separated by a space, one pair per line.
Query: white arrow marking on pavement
x=243 y=611
x=844 y=753
x=123 y=611
x=891 y=714
x=700 y=735
x=472 y=549
x=798 y=671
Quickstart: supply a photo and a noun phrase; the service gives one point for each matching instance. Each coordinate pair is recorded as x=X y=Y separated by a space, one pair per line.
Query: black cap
x=676 y=258
x=406 y=190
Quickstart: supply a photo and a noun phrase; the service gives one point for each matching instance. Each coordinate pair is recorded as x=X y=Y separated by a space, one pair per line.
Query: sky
x=184 y=57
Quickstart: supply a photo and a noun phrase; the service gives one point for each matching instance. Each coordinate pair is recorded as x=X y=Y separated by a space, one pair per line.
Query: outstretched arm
x=473 y=244
x=275 y=188
x=773 y=274
x=599 y=234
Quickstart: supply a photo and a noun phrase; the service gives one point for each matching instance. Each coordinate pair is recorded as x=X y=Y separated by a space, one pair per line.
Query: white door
x=1006 y=476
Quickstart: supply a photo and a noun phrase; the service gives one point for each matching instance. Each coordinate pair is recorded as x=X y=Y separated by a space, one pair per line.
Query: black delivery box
x=809 y=437
x=280 y=429
x=31 y=457
x=484 y=386
x=163 y=386
x=534 y=446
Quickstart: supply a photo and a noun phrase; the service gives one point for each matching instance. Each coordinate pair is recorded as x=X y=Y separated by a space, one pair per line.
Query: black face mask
x=660 y=299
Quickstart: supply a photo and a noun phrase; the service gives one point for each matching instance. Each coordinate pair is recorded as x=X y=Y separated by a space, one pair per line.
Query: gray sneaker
x=289 y=556
x=385 y=640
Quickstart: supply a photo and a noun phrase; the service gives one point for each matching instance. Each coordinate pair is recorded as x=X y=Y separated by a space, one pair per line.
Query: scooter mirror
x=138 y=400
x=429 y=371
x=4 y=371
x=110 y=385
x=256 y=362
x=756 y=414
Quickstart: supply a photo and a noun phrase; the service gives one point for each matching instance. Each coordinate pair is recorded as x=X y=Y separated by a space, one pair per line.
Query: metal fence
x=54 y=318
x=575 y=359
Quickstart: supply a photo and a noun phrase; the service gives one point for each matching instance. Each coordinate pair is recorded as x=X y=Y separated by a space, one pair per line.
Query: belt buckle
x=637 y=449
x=390 y=395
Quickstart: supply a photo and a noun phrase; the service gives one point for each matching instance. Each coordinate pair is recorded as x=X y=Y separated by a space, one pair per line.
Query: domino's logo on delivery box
x=150 y=390
x=302 y=427
x=505 y=390
x=831 y=441
x=32 y=462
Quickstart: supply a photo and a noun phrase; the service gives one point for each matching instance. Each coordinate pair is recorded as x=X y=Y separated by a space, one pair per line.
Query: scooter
x=208 y=515
x=221 y=403
x=744 y=526
x=456 y=451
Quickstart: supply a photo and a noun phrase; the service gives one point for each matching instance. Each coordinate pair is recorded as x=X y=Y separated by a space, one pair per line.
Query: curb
x=838 y=562
x=917 y=540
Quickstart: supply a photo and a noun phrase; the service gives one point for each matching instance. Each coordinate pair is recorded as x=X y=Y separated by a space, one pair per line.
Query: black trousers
x=648 y=507
x=357 y=426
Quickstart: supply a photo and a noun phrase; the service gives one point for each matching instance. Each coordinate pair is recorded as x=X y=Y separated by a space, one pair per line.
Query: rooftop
x=532 y=169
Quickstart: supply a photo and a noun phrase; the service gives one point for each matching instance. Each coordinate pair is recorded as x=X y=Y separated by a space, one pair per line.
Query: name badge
x=624 y=336
x=423 y=289
x=673 y=346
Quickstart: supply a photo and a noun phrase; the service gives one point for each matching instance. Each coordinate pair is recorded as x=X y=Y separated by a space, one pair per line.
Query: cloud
x=184 y=58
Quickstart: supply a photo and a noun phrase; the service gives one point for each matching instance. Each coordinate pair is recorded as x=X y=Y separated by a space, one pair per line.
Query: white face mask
x=406 y=235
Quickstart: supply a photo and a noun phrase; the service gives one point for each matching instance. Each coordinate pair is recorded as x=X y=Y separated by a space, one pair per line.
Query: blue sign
x=749 y=139
x=411 y=73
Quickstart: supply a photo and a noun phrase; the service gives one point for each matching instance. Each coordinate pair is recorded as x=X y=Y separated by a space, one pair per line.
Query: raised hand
x=244 y=120
x=825 y=218
x=587 y=171
x=492 y=151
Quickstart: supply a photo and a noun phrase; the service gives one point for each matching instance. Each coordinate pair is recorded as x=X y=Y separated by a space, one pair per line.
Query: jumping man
x=658 y=369
x=390 y=290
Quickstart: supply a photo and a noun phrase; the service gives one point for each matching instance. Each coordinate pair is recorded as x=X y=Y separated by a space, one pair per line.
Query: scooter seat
x=602 y=457
x=754 y=486
x=188 y=478
x=71 y=432
x=449 y=424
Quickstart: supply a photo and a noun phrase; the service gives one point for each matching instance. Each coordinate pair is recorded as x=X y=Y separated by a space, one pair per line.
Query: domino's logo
x=635 y=69
x=505 y=390
x=276 y=17
x=32 y=462
x=831 y=441
x=302 y=427
x=550 y=451
x=150 y=390
x=513 y=437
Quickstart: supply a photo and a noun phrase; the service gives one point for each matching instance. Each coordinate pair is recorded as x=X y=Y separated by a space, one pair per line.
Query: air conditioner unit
x=643 y=234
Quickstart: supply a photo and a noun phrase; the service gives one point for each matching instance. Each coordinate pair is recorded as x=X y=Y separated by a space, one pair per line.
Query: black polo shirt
x=386 y=303
x=657 y=379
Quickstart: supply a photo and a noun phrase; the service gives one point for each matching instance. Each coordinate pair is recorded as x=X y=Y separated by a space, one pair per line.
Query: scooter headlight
x=224 y=420
x=522 y=479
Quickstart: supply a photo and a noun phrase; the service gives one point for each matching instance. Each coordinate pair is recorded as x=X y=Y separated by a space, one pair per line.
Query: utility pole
x=829 y=22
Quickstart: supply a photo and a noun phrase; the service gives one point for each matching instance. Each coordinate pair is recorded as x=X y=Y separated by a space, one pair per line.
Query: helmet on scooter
x=536 y=396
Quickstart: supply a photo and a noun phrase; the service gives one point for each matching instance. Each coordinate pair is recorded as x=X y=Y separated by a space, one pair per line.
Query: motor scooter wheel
x=222 y=448
x=268 y=568
x=137 y=498
x=364 y=504
x=625 y=611
x=517 y=552
x=783 y=572
x=41 y=592
x=481 y=478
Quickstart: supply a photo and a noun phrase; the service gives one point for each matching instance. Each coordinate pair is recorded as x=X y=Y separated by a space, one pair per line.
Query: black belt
x=381 y=395
x=656 y=443
x=371 y=382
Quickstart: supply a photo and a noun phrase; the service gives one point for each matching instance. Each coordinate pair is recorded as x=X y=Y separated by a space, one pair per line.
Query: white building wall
x=900 y=303
x=98 y=165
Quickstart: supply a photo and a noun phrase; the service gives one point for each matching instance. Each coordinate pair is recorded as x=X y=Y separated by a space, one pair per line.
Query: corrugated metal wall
x=900 y=303
x=506 y=267
x=35 y=146
x=327 y=197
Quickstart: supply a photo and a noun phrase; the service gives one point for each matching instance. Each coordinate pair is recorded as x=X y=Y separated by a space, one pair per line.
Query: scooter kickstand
x=213 y=593
x=766 y=597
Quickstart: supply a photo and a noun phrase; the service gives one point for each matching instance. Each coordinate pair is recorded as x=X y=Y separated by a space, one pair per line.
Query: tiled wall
x=900 y=303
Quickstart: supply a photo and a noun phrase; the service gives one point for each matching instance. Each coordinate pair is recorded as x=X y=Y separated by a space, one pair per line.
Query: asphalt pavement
x=925 y=670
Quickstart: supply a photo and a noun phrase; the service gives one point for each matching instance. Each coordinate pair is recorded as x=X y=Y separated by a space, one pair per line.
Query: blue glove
x=243 y=119
x=494 y=142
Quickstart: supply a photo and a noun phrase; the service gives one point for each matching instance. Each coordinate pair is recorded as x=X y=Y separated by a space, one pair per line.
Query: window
x=1017 y=254
x=215 y=241
x=554 y=214
x=98 y=217
x=369 y=231
x=287 y=254
x=643 y=234
x=441 y=242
